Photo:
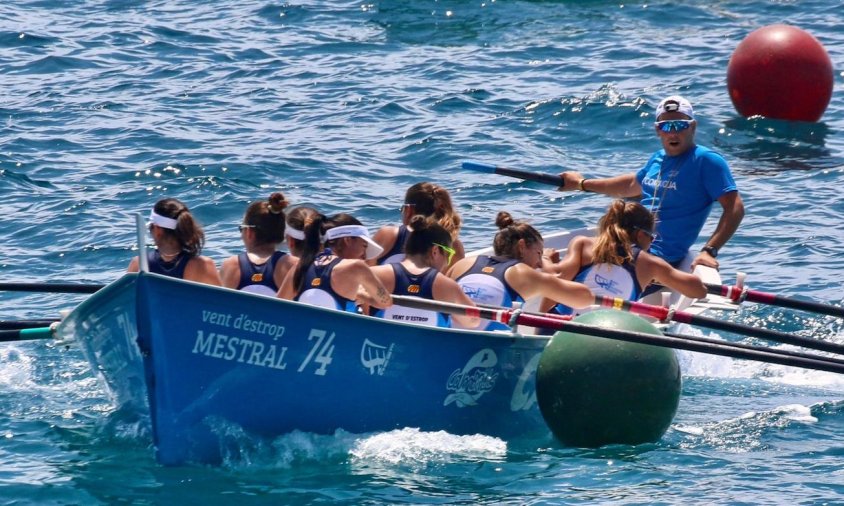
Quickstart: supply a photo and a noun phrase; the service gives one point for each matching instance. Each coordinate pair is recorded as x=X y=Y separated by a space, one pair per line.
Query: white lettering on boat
x=524 y=395
x=323 y=352
x=476 y=378
x=221 y=319
x=375 y=357
x=224 y=347
x=243 y=322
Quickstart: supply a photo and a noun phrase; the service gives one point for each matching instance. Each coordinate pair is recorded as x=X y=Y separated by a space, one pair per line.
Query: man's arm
x=621 y=186
x=728 y=224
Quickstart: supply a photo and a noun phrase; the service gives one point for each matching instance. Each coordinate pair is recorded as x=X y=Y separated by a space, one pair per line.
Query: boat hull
x=271 y=367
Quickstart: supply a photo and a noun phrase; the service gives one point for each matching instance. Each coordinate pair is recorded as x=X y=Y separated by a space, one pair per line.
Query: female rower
x=429 y=200
x=261 y=268
x=428 y=251
x=297 y=219
x=332 y=267
x=511 y=275
x=179 y=239
x=616 y=262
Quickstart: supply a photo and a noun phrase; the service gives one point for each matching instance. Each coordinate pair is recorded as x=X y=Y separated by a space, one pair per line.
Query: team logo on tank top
x=257 y=278
x=413 y=289
x=488 y=270
x=316 y=282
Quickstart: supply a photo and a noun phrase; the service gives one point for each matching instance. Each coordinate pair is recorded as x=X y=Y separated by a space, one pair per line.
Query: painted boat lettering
x=375 y=357
x=524 y=395
x=243 y=322
x=248 y=351
x=322 y=351
x=476 y=378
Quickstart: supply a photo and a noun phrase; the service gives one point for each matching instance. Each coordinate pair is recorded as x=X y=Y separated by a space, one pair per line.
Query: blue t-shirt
x=680 y=190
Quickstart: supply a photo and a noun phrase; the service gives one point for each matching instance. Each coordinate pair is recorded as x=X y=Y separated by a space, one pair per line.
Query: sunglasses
x=406 y=205
x=447 y=250
x=647 y=232
x=242 y=226
x=674 y=125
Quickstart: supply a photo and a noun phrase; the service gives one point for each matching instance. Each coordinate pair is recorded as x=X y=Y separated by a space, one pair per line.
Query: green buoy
x=594 y=391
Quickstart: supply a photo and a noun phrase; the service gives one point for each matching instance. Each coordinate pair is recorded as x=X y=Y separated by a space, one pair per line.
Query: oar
x=721 y=348
x=26 y=334
x=664 y=314
x=552 y=179
x=50 y=287
x=24 y=324
x=738 y=294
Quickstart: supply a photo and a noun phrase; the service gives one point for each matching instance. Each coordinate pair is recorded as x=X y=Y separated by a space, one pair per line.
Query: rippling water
x=109 y=105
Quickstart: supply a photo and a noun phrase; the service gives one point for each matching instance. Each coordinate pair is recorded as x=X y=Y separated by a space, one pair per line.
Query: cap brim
x=373 y=249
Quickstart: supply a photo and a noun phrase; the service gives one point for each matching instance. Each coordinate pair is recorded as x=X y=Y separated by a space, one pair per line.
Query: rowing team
x=333 y=261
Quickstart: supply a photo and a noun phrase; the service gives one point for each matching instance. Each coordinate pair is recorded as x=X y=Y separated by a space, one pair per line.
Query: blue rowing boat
x=193 y=355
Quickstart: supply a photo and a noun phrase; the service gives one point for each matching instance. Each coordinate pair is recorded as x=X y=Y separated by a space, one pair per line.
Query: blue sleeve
x=640 y=175
x=717 y=178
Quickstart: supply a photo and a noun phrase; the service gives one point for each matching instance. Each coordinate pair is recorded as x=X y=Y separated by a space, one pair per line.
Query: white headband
x=373 y=250
x=162 y=221
x=294 y=233
x=346 y=231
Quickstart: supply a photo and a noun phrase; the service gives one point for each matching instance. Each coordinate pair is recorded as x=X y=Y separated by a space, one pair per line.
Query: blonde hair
x=432 y=200
x=617 y=232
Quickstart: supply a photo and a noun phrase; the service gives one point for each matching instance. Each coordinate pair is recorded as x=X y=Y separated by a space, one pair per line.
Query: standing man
x=678 y=185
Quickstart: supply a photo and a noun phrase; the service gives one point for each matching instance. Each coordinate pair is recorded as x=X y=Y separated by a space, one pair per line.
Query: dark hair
x=267 y=216
x=425 y=232
x=617 y=229
x=314 y=232
x=429 y=199
x=188 y=231
x=299 y=218
x=510 y=231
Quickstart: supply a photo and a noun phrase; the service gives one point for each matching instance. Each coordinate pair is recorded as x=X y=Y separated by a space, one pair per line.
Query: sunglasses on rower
x=674 y=125
x=447 y=250
x=647 y=232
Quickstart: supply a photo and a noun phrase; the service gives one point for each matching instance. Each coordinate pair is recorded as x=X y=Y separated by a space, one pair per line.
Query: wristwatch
x=712 y=250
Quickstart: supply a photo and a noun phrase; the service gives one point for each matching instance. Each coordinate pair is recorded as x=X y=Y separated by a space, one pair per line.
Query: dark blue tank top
x=398 y=247
x=251 y=274
x=318 y=283
x=416 y=285
x=174 y=268
x=485 y=283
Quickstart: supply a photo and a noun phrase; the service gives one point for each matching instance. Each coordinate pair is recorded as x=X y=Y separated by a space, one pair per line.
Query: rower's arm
x=625 y=185
x=733 y=213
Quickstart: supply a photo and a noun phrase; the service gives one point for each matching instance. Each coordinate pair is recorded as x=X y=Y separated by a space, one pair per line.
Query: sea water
x=108 y=106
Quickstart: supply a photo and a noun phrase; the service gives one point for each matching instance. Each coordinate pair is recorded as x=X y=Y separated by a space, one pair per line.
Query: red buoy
x=780 y=72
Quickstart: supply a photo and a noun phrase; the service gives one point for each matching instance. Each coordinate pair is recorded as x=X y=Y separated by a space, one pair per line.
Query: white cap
x=373 y=249
x=675 y=103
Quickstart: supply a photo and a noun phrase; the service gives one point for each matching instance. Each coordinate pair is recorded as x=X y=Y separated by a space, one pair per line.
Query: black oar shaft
x=714 y=348
x=788 y=353
x=761 y=333
x=26 y=334
x=551 y=179
x=50 y=287
x=24 y=324
x=721 y=348
x=737 y=294
x=663 y=313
